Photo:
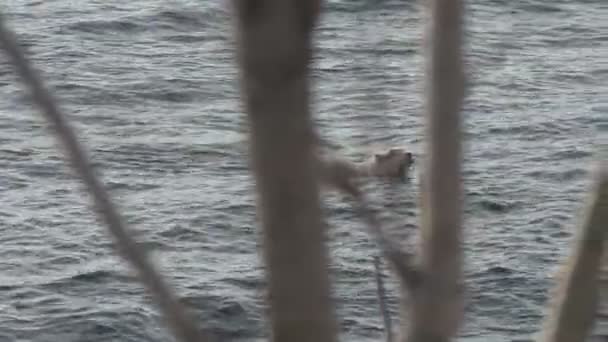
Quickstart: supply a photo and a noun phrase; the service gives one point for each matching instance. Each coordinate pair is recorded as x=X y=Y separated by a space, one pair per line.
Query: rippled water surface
x=152 y=88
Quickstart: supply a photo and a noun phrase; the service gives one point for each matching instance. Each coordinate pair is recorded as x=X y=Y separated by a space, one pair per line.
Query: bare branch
x=343 y=175
x=386 y=317
x=274 y=52
x=436 y=309
x=576 y=295
x=402 y=263
x=175 y=314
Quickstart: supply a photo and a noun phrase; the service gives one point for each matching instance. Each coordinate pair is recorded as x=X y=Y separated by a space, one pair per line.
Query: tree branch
x=388 y=326
x=174 y=313
x=436 y=307
x=576 y=294
x=274 y=51
x=343 y=175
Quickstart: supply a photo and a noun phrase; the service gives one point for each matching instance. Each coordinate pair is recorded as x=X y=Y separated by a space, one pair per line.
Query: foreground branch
x=386 y=318
x=174 y=313
x=436 y=305
x=574 y=308
x=274 y=52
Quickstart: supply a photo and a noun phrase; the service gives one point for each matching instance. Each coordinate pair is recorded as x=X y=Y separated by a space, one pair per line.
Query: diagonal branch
x=342 y=175
x=402 y=263
x=175 y=314
x=576 y=294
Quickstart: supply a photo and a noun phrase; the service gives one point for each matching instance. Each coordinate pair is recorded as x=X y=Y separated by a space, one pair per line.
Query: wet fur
x=393 y=164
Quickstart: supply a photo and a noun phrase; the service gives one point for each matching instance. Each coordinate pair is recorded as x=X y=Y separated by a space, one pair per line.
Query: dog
x=393 y=164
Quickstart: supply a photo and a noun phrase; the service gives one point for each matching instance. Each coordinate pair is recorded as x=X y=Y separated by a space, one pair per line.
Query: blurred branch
x=274 y=52
x=342 y=175
x=386 y=317
x=576 y=294
x=436 y=306
x=175 y=314
x=402 y=263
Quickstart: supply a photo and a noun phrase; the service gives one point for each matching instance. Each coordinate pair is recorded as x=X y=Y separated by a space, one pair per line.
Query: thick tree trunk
x=274 y=51
x=436 y=305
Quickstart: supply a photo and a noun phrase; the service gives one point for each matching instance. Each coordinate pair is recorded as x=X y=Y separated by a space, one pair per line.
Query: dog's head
x=393 y=163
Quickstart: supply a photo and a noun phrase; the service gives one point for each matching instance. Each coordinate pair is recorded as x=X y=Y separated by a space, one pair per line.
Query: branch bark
x=175 y=314
x=436 y=305
x=576 y=295
x=274 y=51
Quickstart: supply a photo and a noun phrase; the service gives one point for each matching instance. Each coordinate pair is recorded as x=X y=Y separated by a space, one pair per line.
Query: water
x=152 y=88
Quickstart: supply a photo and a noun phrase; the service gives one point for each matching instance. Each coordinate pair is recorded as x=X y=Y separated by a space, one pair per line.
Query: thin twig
x=175 y=314
x=573 y=311
x=386 y=317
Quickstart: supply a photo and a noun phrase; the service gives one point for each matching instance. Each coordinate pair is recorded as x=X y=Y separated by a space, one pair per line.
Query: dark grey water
x=151 y=85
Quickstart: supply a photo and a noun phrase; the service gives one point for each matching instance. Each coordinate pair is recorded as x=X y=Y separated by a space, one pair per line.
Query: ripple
x=153 y=89
x=102 y=27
